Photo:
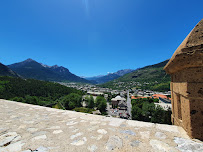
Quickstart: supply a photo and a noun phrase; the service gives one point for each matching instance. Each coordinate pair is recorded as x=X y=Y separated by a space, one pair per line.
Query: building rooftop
x=118 y=98
x=157 y=96
x=27 y=128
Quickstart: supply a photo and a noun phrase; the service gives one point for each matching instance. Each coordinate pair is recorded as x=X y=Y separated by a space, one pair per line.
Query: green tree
x=136 y=113
x=157 y=115
x=72 y=101
x=147 y=111
x=91 y=102
x=101 y=104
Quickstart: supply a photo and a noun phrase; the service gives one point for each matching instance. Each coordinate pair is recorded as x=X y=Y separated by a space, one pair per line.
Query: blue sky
x=93 y=37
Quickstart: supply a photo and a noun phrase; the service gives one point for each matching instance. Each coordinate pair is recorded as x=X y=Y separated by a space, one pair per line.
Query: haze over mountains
x=109 y=77
x=32 y=69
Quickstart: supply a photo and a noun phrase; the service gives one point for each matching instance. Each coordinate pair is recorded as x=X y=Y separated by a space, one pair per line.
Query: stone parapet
x=31 y=128
x=186 y=70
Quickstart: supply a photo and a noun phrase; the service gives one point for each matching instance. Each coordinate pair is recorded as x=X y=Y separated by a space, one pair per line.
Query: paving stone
x=7 y=138
x=14 y=147
x=32 y=129
x=103 y=124
x=145 y=134
x=76 y=130
x=186 y=145
x=102 y=131
x=39 y=133
x=92 y=128
x=76 y=135
x=140 y=124
x=57 y=131
x=79 y=142
x=160 y=135
x=39 y=137
x=54 y=127
x=83 y=121
x=129 y=132
x=92 y=148
x=94 y=122
x=71 y=123
x=113 y=143
x=135 y=143
x=116 y=122
x=169 y=128
x=97 y=137
x=159 y=146
x=41 y=149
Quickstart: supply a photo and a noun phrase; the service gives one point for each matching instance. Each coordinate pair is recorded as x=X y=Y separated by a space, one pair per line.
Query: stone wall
x=186 y=70
x=31 y=128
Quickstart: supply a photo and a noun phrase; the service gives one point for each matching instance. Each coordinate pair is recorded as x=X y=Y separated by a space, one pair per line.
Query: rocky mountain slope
x=5 y=71
x=32 y=69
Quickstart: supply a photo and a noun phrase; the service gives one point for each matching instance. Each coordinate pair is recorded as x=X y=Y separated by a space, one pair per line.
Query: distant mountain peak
x=35 y=70
x=110 y=76
x=46 y=66
x=29 y=60
x=56 y=66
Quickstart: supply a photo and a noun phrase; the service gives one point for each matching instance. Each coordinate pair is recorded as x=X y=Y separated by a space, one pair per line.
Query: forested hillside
x=33 y=91
x=151 y=77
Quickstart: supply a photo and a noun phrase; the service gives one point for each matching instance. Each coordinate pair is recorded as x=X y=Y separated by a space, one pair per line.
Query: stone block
x=180 y=88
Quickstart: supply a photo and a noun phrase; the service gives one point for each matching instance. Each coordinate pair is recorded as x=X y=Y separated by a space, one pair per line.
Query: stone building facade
x=186 y=70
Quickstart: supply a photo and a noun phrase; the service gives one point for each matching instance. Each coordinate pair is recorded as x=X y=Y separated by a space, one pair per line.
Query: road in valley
x=129 y=105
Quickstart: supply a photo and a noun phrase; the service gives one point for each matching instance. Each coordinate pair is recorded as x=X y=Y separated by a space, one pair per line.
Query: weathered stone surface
x=113 y=143
x=78 y=136
x=185 y=145
x=129 y=132
x=102 y=131
x=167 y=128
x=159 y=145
x=139 y=124
x=32 y=129
x=14 y=147
x=160 y=135
x=79 y=142
x=92 y=148
x=39 y=137
x=145 y=134
x=57 y=131
x=7 y=138
x=135 y=143
x=116 y=123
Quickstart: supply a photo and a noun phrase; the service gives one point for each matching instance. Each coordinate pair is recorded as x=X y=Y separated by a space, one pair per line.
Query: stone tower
x=186 y=70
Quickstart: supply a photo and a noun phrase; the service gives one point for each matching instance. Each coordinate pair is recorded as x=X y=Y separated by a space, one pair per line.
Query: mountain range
x=109 y=77
x=34 y=70
x=151 y=77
